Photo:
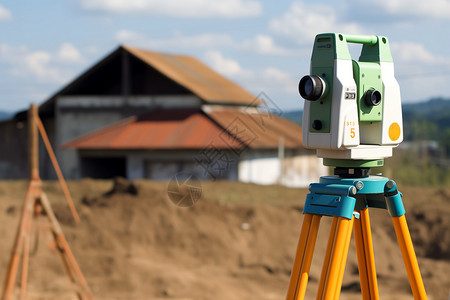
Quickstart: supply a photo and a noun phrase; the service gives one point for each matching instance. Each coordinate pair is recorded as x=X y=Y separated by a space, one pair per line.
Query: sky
x=262 y=45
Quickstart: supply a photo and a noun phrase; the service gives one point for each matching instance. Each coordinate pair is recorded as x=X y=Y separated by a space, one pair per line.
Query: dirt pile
x=237 y=242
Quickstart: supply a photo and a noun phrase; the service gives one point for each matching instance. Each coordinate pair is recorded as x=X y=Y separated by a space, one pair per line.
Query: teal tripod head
x=352 y=114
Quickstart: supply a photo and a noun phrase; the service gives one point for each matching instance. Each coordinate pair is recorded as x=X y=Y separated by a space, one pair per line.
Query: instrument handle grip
x=361 y=39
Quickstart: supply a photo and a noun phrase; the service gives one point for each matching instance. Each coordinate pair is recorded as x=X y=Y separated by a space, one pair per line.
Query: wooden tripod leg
x=72 y=268
x=26 y=255
x=366 y=260
x=330 y=280
x=11 y=274
x=303 y=257
x=409 y=257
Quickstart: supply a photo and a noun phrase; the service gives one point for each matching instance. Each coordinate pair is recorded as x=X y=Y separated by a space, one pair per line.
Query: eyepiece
x=372 y=97
x=311 y=87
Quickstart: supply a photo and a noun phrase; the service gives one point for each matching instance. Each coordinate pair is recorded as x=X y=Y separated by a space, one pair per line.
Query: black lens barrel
x=372 y=97
x=311 y=87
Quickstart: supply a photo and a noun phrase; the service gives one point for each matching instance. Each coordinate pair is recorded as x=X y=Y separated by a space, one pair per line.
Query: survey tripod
x=347 y=197
x=37 y=205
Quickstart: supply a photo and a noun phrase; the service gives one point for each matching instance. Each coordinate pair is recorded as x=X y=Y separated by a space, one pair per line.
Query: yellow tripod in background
x=347 y=200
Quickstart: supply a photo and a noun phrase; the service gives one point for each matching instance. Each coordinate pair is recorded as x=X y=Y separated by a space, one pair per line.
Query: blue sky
x=264 y=46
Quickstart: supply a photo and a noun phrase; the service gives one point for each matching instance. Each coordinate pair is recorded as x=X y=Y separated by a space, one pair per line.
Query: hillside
x=237 y=242
x=5 y=115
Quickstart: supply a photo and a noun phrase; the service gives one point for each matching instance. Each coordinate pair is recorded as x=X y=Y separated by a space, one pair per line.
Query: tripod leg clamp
x=330 y=200
x=393 y=199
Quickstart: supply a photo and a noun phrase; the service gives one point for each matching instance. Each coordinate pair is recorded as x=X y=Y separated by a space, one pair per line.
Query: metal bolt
x=390 y=184
x=359 y=185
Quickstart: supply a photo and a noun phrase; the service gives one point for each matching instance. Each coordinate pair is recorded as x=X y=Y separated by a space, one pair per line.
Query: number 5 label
x=351 y=133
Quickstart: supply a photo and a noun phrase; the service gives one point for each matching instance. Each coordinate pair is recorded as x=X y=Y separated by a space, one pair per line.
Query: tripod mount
x=347 y=197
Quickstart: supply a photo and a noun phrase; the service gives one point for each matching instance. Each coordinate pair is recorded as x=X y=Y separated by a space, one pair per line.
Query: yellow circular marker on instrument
x=394 y=131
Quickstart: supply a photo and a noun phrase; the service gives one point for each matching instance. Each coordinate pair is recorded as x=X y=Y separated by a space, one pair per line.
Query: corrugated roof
x=195 y=76
x=263 y=129
x=189 y=129
x=165 y=129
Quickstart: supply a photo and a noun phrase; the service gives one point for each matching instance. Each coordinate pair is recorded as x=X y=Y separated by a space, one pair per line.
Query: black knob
x=372 y=97
x=311 y=87
x=316 y=125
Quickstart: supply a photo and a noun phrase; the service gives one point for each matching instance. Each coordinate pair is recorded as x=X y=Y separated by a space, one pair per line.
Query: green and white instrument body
x=353 y=110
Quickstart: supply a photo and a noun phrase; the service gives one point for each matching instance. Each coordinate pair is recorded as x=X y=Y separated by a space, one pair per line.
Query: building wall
x=295 y=170
x=78 y=115
x=14 y=150
x=163 y=165
x=301 y=170
x=157 y=165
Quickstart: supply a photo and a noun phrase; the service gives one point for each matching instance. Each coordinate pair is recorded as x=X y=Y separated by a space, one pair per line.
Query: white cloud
x=417 y=69
x=67 y=53
x=178 y=41
x=41 y=65
x=91 y=50
x=415 y=54
x=303 y=21
x=429 y=8
x=226 y=66
x=38 y=64
x=279 y=79
x=5 y=14
x=270 y=80
x=261 y=44
x=178 y=8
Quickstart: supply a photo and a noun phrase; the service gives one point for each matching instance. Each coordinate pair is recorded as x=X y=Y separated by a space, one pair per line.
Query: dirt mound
x=121 y=186
x=430 y=231
x=237 y=242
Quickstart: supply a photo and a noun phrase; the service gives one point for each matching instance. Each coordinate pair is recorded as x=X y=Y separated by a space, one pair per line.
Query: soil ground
x=237 y=242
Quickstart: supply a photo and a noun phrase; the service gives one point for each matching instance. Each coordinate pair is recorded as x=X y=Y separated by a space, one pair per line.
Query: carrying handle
x=361 y=39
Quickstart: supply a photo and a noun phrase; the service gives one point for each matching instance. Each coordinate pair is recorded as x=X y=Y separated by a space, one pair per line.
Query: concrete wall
x=298 y=169
x=78 y=115
x=14 y=150
x=163 y=165
x=295 y=170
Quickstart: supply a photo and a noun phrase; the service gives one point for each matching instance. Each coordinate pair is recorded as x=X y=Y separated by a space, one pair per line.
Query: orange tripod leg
x=344 y=259
x=327 y=258
x=409 y=257
x=303 y=257
x=66 y=254
x=25 y=257
x=11 y=273
x=330 y=282
x=366 y=260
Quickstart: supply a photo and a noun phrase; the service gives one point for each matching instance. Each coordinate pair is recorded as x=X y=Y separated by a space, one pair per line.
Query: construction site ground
x=237 y=242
